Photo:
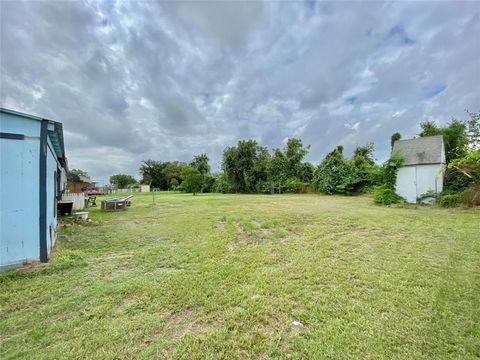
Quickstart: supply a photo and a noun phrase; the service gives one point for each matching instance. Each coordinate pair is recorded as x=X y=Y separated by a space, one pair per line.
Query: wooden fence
x=77 y=198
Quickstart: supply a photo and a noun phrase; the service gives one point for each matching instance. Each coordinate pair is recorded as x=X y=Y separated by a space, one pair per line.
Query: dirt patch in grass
x=256 y=232
x=189 y=321
x=241 y=238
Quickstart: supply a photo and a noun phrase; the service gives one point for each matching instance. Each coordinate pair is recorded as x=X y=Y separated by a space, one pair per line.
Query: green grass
x=224 y=276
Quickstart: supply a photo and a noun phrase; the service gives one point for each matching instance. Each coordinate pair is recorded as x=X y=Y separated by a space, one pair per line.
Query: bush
x=222 y=185
x=264 y=187
x=471 y=196
x=208 y=185
x=294 y=185
x=384 y=195
x=449 y=200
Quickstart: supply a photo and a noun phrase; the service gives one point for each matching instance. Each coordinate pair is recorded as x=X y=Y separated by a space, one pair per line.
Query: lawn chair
x=92 y=201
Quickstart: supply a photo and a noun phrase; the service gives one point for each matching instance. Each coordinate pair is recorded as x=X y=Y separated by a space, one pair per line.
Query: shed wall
x=19 y=125
x=414 y=181
x=19 y=198
x=19 y=191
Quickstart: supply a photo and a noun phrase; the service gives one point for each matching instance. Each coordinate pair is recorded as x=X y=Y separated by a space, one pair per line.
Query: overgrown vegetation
x=385 y=195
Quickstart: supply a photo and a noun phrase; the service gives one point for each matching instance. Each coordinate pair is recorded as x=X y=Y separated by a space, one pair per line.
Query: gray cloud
x=138 y=80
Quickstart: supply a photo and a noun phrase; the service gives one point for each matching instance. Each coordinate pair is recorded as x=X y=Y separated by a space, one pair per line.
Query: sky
x=168 y=80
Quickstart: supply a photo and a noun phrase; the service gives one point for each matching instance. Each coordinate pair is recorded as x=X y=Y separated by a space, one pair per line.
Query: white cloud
x=167 y=81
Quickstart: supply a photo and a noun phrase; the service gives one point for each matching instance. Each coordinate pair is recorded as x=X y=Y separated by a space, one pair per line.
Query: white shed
x=423 y=168
x=144 y=188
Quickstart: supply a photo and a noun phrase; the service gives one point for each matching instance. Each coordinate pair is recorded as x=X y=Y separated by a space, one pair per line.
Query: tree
x=456 y=140
x=306 y=172
x=122 y=181
x=152 y=173
x=429 y=128
x=172 y=173
x=192 y=180
x=78 y=172
x=200 y=162
x=174 y=184
x=473 y=126
x=395 y=137
x=278 y=167
x=332 y=175
x=365 y=172
x=288 y=164
x=455 y=137
x=245 y=164
x=466 y=171
x=295 y=152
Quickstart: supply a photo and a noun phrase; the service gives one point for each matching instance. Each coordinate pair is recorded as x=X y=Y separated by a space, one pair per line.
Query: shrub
x=222 y=185
x=294 y=185
x=471 y=196
x=264 y=187
x=208 y=183
x=384 y=195
x=449 y=200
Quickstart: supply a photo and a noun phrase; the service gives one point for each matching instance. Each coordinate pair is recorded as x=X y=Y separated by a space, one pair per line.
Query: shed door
x=407 y=183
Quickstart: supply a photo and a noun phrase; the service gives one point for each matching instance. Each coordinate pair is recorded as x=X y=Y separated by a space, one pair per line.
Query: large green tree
x=78 y=172
x=245 y=164
x=455 y=137
x=200 y=162
x=288 y=164
x=122 y=181
x=152 y=173
x=332 y=174
x=172 y=173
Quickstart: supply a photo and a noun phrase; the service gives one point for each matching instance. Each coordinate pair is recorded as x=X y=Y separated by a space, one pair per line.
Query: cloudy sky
x=166 y=81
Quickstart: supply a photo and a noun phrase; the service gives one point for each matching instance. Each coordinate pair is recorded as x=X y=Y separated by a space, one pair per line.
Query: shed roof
x=421 y=151
x=55 y=133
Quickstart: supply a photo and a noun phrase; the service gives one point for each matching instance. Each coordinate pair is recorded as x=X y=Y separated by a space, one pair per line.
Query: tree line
x=249 y=167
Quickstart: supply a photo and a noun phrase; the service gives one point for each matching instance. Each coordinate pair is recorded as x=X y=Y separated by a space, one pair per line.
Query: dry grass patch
x=189 y=321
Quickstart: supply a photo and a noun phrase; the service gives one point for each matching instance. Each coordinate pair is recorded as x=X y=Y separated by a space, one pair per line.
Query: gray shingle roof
x=423 y=150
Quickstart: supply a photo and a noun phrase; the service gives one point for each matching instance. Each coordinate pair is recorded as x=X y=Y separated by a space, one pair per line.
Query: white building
x=144 y=188
x=423 y=168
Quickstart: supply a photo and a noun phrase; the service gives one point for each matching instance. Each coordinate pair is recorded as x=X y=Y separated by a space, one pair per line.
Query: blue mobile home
x=32 y=178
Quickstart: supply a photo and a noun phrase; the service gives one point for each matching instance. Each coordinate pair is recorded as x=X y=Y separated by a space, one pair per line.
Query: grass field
x=225 y=276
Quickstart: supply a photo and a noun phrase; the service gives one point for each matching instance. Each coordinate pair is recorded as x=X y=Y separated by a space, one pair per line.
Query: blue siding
x=19 y=210
x=19 y=125
x=19 y=191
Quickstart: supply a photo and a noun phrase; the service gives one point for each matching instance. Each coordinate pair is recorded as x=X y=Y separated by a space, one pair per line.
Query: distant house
x=33 y=176
x=423 y=167
x=77 y=183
